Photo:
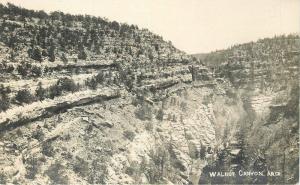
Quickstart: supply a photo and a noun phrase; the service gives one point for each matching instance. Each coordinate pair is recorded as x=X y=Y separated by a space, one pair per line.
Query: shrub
x=82 y=54
x=36 y=71
x=67 y=84
x=9 y=68
x=64 y=58
x=160 y=115
x=292 y=107
x=31 y=168
x=158 y=164
x=38 y=134
x=98 y=172
x=100 y=77
x=130 y=170
x=129 y=84
x=144 y=112
x=178 y=165
x=92 y=83
x=55 y=173
x=4 y=91
x=19 y=133
x=54 y=91
x=24 y=69
x=44 y=53
x=51 y=53
x=152 y=174
x=63 y=84
x=24 y=96
x=149 y=126
x=136 y=169
x=40 y=92
x=202 y=152
x=207 y=99
x=4 y=104
x=81 y=167
x=183 y=106
x=129 y=135
x=193 y=151
x=3 y=178
x=47 y=149
x=37 y=54
x=233 y=97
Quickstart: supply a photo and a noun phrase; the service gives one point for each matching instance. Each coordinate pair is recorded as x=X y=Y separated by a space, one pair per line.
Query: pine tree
x=37 y=54
x=82 y=53
x=64 y=58
x=4 y=98
x=24 y=96
x=52 y=53
x=40 y=92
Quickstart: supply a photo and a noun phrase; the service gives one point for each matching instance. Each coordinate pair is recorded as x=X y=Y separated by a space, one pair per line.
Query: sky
x=194 y=26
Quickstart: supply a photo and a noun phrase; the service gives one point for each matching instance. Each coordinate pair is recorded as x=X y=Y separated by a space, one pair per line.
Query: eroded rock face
x=264 y=75
x=110 y=136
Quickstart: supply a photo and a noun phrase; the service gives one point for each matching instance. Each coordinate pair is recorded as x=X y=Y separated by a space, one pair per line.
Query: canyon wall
x=88 y=101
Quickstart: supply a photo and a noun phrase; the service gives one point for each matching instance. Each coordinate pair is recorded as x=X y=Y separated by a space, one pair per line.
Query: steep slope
x=265 y=76
x=57 y=54
x=86 y=100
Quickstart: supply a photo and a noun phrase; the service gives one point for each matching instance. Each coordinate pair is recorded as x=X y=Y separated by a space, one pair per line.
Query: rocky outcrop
x=264 y=78
x=41 y=110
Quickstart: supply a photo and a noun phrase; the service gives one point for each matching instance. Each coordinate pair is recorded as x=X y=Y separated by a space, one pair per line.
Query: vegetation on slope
x=35 y=44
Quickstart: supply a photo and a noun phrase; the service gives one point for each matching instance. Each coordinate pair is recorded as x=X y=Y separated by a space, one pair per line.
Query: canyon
x=88 y=101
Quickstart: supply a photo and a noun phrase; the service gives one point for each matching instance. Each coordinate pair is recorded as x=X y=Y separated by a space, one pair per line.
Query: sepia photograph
x=170 y=92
